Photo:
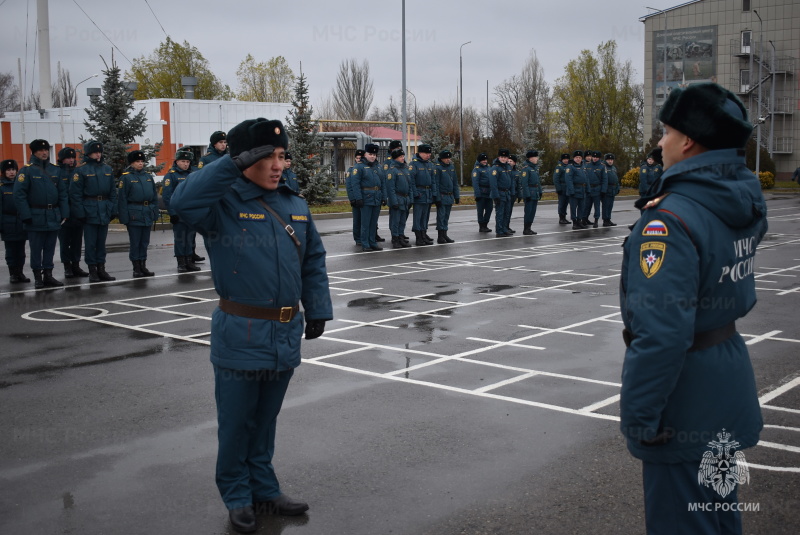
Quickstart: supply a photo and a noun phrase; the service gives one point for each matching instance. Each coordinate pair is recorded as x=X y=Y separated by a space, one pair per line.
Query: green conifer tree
x=316 y=183
x=112 y=122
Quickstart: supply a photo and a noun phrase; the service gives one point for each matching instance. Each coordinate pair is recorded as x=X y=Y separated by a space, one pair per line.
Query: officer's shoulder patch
x=651 y=257
x=389 y=176
x=567 y=170
x=120 y=185
x=643 y=170
x=299 y=217
x=199 y=165
x=655 y=227
x=21 y=178
x=475 y=173
x=494 y=172
x=385 y=166
x=166 y=182
x=355 y=171
x=76 y=177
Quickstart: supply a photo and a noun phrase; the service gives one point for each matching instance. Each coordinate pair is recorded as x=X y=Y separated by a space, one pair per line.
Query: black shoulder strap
x=288 y=228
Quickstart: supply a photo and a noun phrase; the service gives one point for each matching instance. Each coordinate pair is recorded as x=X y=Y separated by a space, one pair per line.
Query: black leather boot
x=527 y=231
x=420 y=238
x=190 y=266
x=378 y=238
x=37 y=277
x=103 y=274
x=137 y=269
x=93 y=276
x=69 y=271
x=76 y=269
x=197 y=258
x=13 y=277
x=243 y=519
x=563 y=221
x=396 y=242
x=50 y=281
x=143 y=266
x=595 y=223
x=427 y=238
x=442 y=236
x=21 y=276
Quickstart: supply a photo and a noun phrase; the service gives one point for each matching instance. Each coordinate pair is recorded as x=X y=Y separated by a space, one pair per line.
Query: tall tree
x=316 y=182
x=598 y=105
x=524 y=100
x=64 y=94
x=111 y=120
x=159 y=75
x=352 y=97
x=265 y=82
x=9 y=93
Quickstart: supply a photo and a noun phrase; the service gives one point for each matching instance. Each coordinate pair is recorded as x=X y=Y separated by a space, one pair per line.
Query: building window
x=746 y=41
x=744 y=80
x=745 y=5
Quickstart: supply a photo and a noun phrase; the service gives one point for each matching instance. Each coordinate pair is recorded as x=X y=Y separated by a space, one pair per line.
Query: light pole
x=63 y=143
x=461 y=111
x=758 y=101
x=665 y=53
x=404 y=117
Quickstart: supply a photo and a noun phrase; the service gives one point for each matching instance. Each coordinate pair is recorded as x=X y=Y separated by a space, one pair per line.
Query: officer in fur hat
x=609 y=189
x=42 y=204
x=689 y=402
x=368 y=195
x=262 y=276
x=288 y=177
x=11 y=229
x=70 y=236
x=500 y=186
x=217 y=148
x=93 y=198
x=138 y=210
x=447 y=193
x=184 y=236
x=561 y=188
x=531 y=189
x=398 y=190
x=576 y=186
x=480 y=185
x=355 y=203
x=649 y=172
x=423 y=191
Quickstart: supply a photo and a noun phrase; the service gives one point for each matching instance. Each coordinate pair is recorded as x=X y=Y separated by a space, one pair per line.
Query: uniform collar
x=248 y=190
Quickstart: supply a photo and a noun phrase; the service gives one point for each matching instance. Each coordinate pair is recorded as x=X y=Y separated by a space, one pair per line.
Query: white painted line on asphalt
x=769 y=396
x=761 y=337
x=340 y=353
x=782 y=427
x=513 y=380
x=776 y=446
x=509 y=344
x=773 y=468
x=600 y=404
x=784 y=409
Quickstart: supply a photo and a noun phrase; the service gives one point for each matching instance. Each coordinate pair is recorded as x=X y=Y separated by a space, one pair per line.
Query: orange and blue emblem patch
x=651 y=257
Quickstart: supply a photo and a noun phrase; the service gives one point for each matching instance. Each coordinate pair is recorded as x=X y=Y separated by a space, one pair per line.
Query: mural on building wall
x=690 y=57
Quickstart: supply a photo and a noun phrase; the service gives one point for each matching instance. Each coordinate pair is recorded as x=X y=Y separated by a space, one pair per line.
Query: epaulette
x=652 y=203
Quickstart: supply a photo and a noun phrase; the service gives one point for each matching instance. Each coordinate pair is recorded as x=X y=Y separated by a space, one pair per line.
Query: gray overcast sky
x=322 y=33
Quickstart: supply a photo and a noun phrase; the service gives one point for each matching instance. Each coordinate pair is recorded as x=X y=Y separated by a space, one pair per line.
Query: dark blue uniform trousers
x=94 y=238
x=669 y=491
x=576 y=207
x=43 y=248
x=592 y=200
x=70 y=240
x=563 y=202
x=369 y=225
x=139 y=237
x=357 y=225
x=530 y=211
x=397 y=221
x=443 y=215
x=422 y=213
x=15 y=253
x=509 y=209
x=608 y=205
x=500 y=216
x=485 y=206
x=248 y=403
x=184 y=239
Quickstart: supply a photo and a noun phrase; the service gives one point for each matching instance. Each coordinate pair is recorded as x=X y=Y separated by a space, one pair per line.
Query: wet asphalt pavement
x=467 y=388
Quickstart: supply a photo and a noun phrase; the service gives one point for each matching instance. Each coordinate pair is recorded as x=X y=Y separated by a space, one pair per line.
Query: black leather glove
x=383 y=203
x=314 y=329
x=174 y=219
x=458 y=201
x=249 y=157
x=358 y=203
x=28 y=221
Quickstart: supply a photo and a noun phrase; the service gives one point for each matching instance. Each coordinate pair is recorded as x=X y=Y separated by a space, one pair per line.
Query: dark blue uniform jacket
x=138 y=198
x=39 y=195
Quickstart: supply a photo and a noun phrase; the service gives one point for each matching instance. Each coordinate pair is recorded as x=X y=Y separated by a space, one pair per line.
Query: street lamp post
x=63 y=143
x=758 y=101
x=461 y=110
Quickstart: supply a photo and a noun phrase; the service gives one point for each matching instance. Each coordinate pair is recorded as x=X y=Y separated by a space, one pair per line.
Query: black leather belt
x=445 y=193
x=702 y=340
x=376 y=188
x=96 y=197
x=503 y=189
x=44 y=206
x=283 y=314
x=144 y=203
x=424 y=187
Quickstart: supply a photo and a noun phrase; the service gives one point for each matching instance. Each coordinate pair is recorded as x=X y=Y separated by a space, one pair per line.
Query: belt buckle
x=146 y=203
x=49 y=206
x=286 y=314
x=99 y=197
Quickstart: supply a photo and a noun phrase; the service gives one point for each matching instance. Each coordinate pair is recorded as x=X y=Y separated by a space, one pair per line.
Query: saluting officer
x=256 y=331
x=398 y=189
x=42 y=204
x=70 y=236
x=610 y=189
x=423 y=189
x=447 y=193
x=481 y=174
x=183 y=234
x=217 y=148
x=500 y=184
x=576 y=188
x=355 y=202
x=368 y=189
x=11 y=229
x=561 y=188
x=93 y=198
x=138 y=210
x=531 y=189
x=689 y=400
x=288 y=177
x=649 y=173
